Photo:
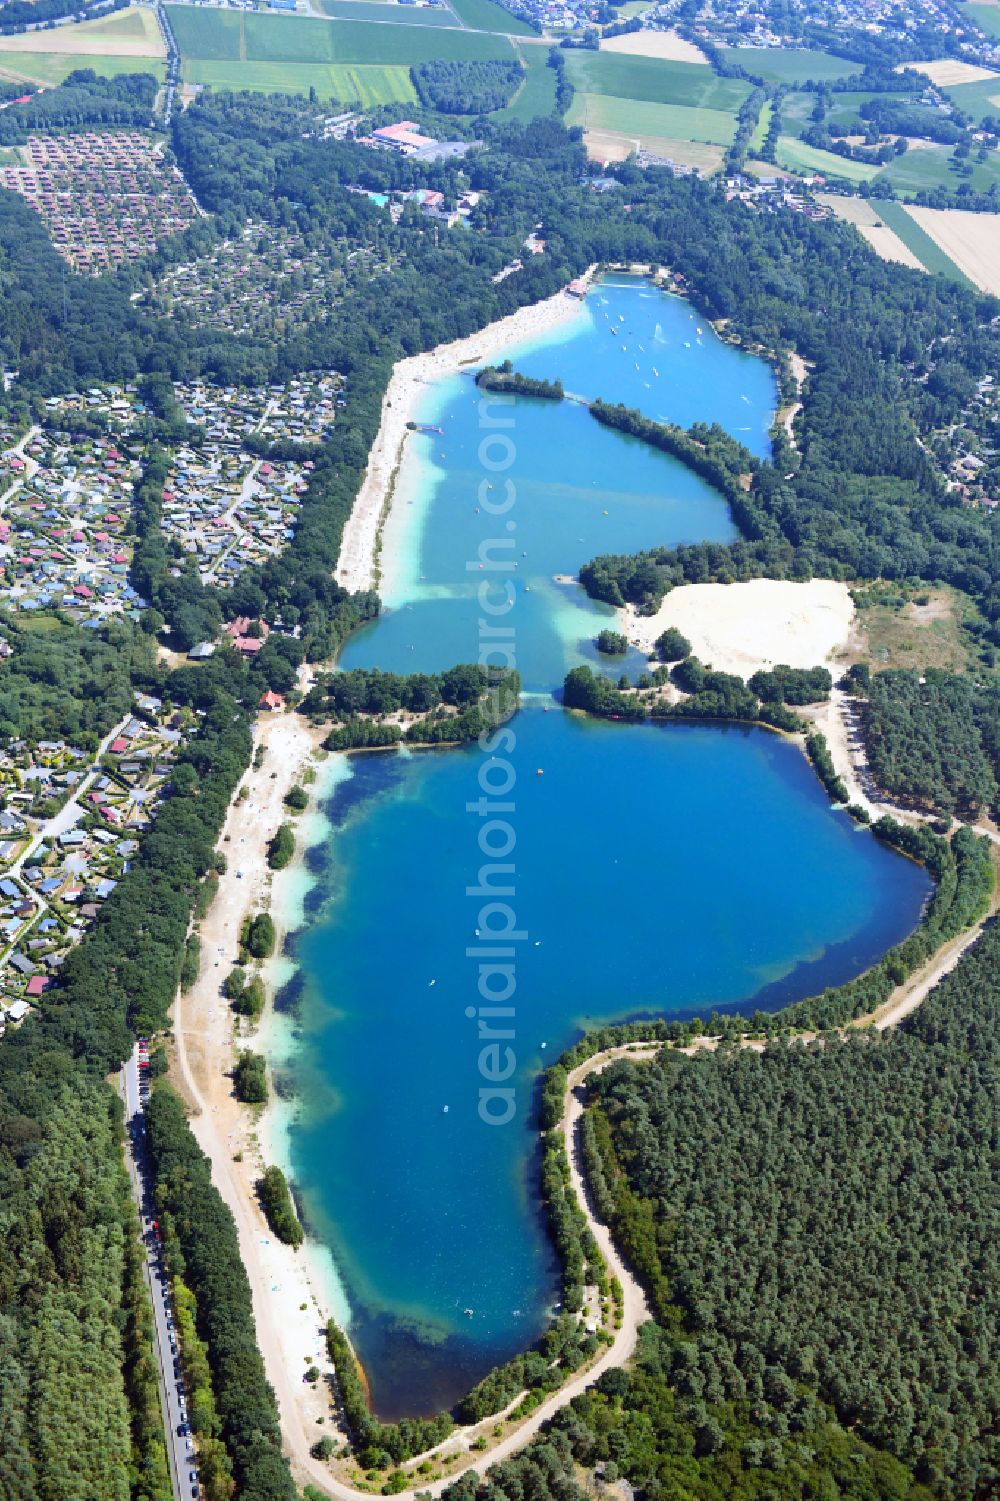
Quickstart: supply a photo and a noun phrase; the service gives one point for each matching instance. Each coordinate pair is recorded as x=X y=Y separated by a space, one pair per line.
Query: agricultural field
x=654 y=81
x=927 y=251
x=663 y=44
x=978 y=100
x=362 y=84
x=790 y=65
x=639 y=119
x=537 y=94
x=796 y=156
x=126 y=33
x=236 y=36
x=484 y=15
x=378 y=10
x=54 y=67
x=987 y=17
x=971 y=241
x=948 y=72
x=870 y=223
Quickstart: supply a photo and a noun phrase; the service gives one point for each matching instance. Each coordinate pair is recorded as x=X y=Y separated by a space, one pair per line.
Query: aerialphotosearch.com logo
x=497 y=932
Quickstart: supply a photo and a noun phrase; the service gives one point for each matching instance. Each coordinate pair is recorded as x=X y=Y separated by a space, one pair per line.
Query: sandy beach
x=742 y=627
x=358 y=567
x=294 y=1293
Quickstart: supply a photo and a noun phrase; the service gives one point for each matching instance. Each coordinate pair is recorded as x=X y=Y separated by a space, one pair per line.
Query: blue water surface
x=658 y=870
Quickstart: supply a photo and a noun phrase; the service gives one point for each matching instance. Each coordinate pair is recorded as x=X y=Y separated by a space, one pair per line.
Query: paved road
x=180 y=1448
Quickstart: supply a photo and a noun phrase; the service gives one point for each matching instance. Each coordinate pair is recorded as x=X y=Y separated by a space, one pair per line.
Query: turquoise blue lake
x=657 y=870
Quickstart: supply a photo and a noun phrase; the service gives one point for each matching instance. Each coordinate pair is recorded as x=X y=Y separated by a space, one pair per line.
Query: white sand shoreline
x=358 y=566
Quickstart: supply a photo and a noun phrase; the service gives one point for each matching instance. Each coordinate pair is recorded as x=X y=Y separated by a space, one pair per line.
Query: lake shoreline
x=366 y=559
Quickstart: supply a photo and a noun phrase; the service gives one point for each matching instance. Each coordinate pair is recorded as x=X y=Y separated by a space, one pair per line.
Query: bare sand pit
x=742 y=627
x=972 y=241
x=358 y=567
x=665 y=44
x=945 y=72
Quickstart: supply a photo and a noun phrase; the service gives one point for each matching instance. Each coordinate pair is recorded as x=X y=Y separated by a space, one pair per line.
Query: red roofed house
x=119 y=747
x=270 y=700
x=37 y=984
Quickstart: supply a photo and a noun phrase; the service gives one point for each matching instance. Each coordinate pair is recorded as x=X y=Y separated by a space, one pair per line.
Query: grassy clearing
x=911 y=634
x=362 y=84
x=637 y=118
x=762 y=127
x=987 y=17
x=654 y=80
x=537 y=94
x=931 y=167
x=794 y=65
x=608 y=146
x=796 y=156
x=371 y=10
x=930 y=255
x=484 y=15
x=53 y=67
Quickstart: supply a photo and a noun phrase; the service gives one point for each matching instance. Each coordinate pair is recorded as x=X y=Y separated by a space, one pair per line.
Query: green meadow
x=537 y=94
x=372 y=10
x=977 y=100
x=796 y=156
x=53 y=67
x=927 y=167
x=654 y=80
x=790 y=65
x=484 y=15
x=363 y=84
x=985 y=16
x=641 y=119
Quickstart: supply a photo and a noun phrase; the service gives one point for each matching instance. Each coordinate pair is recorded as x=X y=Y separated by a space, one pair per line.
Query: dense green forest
x=932 y=738
x=467 y=87
x=816 y=1226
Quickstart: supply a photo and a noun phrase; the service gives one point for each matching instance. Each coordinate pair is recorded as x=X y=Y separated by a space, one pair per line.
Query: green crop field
x=377 y=10
x=537 y=94
x=211 y=34
x=929 y=254
x=654 y=80
x=484 y=15
x=796 y=156
x=979 y=99
x=53 y=67
x=985 y=16
x=640 y=118
x=363 y=84
x=229 y=36
x=791 y=65
x=927 y=167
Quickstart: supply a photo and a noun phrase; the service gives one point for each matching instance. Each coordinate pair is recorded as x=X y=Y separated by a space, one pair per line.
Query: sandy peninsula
x=742 y=627
x=358 y=567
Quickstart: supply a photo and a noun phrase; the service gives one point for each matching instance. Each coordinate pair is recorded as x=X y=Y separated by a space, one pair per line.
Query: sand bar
x=357 y=566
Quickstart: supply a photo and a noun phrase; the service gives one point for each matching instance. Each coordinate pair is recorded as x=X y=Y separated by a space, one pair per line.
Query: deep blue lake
x=667 y=870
